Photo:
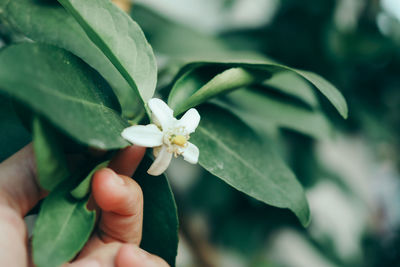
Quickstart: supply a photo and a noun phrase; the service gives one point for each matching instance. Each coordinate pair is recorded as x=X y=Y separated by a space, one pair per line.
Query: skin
x=115 y=241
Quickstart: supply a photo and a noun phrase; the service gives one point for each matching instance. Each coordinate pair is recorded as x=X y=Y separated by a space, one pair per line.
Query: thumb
x=19 y=188
x=19 y=192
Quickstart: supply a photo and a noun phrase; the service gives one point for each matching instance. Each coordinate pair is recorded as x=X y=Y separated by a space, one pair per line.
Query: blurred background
x=351 y=179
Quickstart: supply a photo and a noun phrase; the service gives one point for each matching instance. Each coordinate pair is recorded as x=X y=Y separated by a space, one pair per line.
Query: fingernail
x=115 y=177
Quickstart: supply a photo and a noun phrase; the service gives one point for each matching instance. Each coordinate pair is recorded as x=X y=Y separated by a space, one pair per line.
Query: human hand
x=115 y=241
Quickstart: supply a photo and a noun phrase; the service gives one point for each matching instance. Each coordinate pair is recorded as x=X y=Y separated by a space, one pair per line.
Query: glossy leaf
x=65 y=91
x=258 y=108
x=224 y=82
x=257 y=68
x=120 y=39
x=52 y=24
x=63 y=226
x=293 y=85
x=230 y=150
x=83 y=189
x=51 y=163
x=160 y=222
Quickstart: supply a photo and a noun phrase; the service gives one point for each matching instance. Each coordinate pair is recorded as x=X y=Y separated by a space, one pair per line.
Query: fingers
x=18 y=185
x=118 y=255
x=132 y=256
x=100 y=255
x=121 y=201
x=127 y=160
x=13 y=238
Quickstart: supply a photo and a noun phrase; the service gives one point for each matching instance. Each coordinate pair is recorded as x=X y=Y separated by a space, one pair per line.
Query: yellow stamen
x=179 y=140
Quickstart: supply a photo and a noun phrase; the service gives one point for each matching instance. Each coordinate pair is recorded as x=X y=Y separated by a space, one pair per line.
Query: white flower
x=167 y=135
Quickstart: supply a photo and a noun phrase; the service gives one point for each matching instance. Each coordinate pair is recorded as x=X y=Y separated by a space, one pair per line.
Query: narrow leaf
x=224 y=82
x=292 y=84
x=65 y=90
x=83 y=189
x=259 y=69
x=120 y=39
x=327 y=89
x=160 y=222
x=51 y=164
x=63 y=226
x=258 y=108
x=50 y=23
x=231 y=151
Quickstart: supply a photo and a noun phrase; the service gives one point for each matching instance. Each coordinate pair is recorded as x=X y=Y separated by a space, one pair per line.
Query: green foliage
x=160 y=219
x=83 y=189
x=52 y=24
x=293 y=85
x=232 y=152
x=13 y=135
x=65 y=91
x=120 y=39
x=259 y=107
x=255 y=68
x=223 y=82
x=51 y=164
x=63 y=226
x=96 y=69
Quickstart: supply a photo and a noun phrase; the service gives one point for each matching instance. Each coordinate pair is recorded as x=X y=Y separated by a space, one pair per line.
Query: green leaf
x=13 y=135
x=52 y=24
x=63 y=226
x=258 y=108
x=230 y=150
x=83 y=189
x=65 y=91
x=160 y=222
x=259 y=69
x=226 y=81
x=50 y=159
x=120 y=39
x=293 y=85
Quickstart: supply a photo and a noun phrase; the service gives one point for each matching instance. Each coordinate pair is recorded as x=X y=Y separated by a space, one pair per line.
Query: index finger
x=126 y=161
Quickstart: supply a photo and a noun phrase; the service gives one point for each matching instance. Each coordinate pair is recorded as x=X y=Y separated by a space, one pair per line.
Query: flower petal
x=148 y=136
x=190 y=120
x=161 y=163
x=156 y=151
x=162 y=115
x=191 y=153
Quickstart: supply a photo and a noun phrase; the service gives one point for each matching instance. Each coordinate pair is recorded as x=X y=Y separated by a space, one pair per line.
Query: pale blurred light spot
x=289 y=248
x=392 y=7
x=212 y=16
x=384 y=23
x=184 y=257
x=337 y=216
x=183 y=175
x=374 y=186
x=347 y=13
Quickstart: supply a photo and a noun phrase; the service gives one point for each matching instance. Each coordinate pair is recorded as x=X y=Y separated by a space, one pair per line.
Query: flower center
x=179 y=140
x=176 y=140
